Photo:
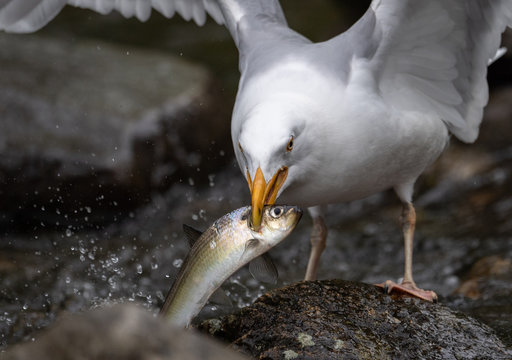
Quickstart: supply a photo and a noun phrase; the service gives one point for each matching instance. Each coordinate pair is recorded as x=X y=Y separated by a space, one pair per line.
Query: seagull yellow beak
x=264 y=193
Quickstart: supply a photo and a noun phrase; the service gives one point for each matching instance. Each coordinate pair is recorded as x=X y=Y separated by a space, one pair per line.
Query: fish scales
x=218 y=253
x=209 y=260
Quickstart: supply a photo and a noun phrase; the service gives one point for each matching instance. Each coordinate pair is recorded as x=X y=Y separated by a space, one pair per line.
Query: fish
x=220 y=251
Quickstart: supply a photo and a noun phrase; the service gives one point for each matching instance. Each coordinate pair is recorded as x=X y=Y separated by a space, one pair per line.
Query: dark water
x=46 y=273
x=461 y=219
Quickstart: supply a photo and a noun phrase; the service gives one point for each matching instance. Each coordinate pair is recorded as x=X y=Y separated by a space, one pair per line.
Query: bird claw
x=408 y=289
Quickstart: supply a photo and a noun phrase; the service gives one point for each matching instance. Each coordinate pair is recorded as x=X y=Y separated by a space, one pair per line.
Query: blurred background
x=114 y=133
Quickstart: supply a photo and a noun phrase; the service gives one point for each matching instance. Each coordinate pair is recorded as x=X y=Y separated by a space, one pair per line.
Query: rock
x=485 y=269
x=344 y=320
x=119 y=332
x=488 y=285
x=89 y=129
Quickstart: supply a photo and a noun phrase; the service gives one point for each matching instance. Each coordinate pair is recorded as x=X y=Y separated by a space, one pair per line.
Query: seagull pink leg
x=408 y=286
x=318 y=240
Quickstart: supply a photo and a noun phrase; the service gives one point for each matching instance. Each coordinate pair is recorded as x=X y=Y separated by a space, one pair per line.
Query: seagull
x=339 y=120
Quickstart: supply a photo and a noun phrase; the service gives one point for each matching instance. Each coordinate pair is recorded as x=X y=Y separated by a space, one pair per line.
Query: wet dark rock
x=344 y=320
x=89 y=129
x=119 y=332
x=477 y=281
x=487 y=288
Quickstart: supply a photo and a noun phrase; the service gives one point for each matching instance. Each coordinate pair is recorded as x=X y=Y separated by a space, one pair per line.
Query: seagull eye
x=276 y=212
x=289 y=147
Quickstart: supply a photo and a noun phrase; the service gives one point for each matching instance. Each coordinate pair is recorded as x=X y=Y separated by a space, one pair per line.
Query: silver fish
x=222 y=249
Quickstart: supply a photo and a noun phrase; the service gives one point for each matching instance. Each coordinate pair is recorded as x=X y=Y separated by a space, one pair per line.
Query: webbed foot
x=409 y=289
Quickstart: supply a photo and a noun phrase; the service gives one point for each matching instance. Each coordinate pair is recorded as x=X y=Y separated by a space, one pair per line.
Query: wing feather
x=164 y=7
x=432 y=56
x=22 y=16
x=30 y=15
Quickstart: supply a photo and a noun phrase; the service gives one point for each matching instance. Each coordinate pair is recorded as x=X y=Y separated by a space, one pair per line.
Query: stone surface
x=344 y=320
x=119 y=332
x=487 y=287
x=89 y=126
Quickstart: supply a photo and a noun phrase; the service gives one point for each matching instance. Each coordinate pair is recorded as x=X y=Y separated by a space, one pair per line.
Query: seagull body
x=355 y=131
x=329 y=122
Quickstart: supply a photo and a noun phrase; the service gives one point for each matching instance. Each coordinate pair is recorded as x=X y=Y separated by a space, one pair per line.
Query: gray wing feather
x=23 y=16
x=27 y=15
x=432 y=56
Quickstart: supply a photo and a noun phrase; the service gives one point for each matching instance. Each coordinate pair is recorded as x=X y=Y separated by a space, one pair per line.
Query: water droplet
x=69 y=232
x=113 y=283
x=195 y=217
x=177 y=263
x=211 y=179
x=191 y=181
x=139 y=269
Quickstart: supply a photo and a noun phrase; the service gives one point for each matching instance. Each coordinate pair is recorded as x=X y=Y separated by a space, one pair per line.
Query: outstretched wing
x=432 y=56
x=22 y=16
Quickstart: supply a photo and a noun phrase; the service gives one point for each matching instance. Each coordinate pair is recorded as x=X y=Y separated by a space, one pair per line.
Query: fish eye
x=276 y=212
x=289 y=147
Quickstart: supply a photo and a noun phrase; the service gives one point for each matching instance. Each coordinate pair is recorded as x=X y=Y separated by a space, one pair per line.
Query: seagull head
x=268 y=149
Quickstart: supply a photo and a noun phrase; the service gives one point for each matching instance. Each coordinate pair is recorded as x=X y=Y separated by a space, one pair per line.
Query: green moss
x=290 y=354
x=305 y=339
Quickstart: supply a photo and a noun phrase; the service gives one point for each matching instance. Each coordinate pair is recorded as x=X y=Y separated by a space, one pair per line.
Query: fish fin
x=263 y=269
x=220 y=297
x=249 y=245
x=191 y=234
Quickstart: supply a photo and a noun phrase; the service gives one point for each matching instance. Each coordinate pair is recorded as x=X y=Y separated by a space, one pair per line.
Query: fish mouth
x=297 y=214
x=263 y=193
